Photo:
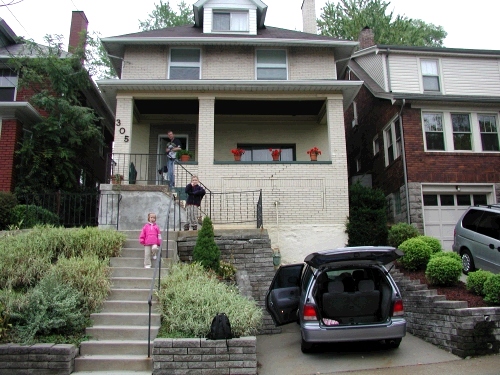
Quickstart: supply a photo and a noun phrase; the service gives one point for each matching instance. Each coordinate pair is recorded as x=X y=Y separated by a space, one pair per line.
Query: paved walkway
x=280 y=354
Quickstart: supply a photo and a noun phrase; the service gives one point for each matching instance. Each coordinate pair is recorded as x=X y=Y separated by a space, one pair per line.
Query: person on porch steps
x=173 y=145
x=195 y=194
x=150 y=237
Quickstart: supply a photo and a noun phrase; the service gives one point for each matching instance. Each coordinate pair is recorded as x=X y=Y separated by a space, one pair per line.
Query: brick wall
x=250 y=250
x=449 y=324
x=39 y=359
x=145 y=62
x=11 y=133
x=201 y=356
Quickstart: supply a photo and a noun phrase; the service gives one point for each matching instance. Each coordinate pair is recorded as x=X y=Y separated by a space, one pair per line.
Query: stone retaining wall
x=449 y=324
x=39 y=359
x=249 y=250
x=202 y=356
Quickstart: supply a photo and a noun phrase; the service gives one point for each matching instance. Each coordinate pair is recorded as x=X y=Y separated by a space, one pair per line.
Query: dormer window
x=230 y=21
x=430 y=75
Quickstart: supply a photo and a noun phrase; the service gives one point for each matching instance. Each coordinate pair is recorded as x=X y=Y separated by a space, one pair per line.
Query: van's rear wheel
x=467 y=262
x=305 y=346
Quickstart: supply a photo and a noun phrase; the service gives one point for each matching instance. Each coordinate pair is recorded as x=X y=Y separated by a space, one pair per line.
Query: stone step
x=128 y=306
x=139 y=253
x=130 y=282
x=119 y=372
x=121 y=332
x=139 y=272
x=115 y=347
x=125 y=318
x=128 y=295
x=135 y=244
x=114 y=363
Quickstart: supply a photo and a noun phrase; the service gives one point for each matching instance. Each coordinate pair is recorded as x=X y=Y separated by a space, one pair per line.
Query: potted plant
x=237 y=152
x=313 y=153
x=275 y=153
x=184 y=155
x=117 y=179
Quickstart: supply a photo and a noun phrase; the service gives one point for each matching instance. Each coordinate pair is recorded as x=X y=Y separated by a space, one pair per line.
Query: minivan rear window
x=471 y=219
x=489 y=225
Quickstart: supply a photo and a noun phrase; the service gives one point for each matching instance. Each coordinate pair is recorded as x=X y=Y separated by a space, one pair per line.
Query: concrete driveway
x=280 y=354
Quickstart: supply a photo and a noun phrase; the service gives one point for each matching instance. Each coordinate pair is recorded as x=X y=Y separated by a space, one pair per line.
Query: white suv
x=477 y=238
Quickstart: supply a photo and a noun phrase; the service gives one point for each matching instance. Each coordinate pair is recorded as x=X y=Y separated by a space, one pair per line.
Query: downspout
x=389 y=88
x=403 y=155
x=276 y=251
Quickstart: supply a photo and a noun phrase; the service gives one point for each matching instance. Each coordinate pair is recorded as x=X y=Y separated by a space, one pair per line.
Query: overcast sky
x=468 y=24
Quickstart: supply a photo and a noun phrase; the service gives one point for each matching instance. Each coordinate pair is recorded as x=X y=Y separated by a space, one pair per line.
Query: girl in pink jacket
x=151 y=238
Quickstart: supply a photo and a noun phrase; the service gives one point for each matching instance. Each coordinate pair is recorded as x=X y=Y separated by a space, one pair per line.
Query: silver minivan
x=477 y=238
x=340 y=295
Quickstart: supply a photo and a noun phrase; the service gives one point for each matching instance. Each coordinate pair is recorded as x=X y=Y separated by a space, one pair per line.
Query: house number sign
x=122 y=131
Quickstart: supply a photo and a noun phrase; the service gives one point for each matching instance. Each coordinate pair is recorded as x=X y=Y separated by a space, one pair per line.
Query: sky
x=471 y=27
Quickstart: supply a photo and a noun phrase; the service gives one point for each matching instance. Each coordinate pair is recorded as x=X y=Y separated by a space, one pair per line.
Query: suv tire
x=467 y=262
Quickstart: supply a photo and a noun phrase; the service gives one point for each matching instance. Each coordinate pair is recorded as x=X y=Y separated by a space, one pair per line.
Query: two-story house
x=425 y=129
x=17 y=115
x=229 y=81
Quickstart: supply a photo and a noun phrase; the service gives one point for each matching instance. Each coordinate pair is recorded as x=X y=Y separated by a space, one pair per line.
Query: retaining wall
x=450 y=325
x=39 y=359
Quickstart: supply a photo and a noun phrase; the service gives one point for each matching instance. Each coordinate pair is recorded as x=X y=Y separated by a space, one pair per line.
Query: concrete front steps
x=119 y=335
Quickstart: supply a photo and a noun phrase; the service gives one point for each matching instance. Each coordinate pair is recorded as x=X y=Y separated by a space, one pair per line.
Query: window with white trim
x=430 y=75
x=462 y=136
x=489 y=132
x=185 y=63
x=271 y=64
x=8 y=84
x=229 y=21
x=434 y=132
x=358 y=163
x=392 y=143
x=376 y=145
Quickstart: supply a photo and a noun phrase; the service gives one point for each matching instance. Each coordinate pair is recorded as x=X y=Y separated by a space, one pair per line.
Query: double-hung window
x=8 y=84
x=462 y=139
x=434 y=133
x=230 y=21
x=489 y=132
x=271 y=64
x=430 y=75
x=185 y=63
x=392 y=142
x=257 y=152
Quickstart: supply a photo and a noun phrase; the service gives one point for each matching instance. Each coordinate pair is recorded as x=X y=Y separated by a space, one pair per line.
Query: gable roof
x=198 y=12
x=190 y=35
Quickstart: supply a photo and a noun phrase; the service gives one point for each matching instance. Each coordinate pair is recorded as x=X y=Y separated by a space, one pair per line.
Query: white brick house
x=230 y=81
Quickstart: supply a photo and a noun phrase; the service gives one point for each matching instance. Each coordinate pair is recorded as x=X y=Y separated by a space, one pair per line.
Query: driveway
x=280 y=354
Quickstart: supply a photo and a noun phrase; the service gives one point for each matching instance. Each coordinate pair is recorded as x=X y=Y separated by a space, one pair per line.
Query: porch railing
x=134 y=168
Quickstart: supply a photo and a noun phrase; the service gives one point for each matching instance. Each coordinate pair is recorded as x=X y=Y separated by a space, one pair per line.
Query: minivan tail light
x=397 y=309
x=310 y=312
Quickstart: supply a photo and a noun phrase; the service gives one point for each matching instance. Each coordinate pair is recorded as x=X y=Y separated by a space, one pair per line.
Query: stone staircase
x=119 y=335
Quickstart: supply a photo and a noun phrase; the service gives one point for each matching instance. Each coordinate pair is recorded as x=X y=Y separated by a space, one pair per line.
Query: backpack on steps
x=220 y=328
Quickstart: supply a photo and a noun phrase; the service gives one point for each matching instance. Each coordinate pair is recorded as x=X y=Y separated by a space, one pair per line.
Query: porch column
x=338 y=154
x=206 y=128
x=123 y=134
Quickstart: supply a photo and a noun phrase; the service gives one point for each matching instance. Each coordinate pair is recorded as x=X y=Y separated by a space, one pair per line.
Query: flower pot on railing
x=237 y=157
x=237 y=152
x=275 y=154
x=313 y=153
x=185 y=157
x=314 y=157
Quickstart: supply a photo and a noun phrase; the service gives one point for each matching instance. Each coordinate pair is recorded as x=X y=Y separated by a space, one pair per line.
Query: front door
x=283 y=296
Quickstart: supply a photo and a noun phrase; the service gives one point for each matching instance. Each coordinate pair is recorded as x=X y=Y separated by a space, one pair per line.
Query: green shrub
x=226 y=270
x=7 y=203
x=104 y=243
x=401 y=232
x=448 y=254
x=53 y=307
x=443 y=270
x=433 y=243
x=206 y=251
x=5 y=326
x=190 y=297
x=476 y=280
x=492 y=289
x=367 y=222
x=416 y=254
x=29 y=216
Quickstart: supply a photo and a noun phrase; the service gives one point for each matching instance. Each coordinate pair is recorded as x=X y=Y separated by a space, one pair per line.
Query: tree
x=163 y=16
x=51 y=154
x=98 y=62
x=348 y=17
x=205 y=251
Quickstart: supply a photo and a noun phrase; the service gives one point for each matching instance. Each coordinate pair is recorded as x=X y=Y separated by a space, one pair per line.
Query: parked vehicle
x=477 y=238
x=340 y=295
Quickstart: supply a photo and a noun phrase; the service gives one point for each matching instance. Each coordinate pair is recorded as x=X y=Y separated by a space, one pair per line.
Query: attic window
x=230 y=21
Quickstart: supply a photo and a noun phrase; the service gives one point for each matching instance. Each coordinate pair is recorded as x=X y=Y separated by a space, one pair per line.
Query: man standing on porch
x=173 y=146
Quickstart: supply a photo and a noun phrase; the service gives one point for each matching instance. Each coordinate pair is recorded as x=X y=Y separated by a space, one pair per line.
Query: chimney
x=309 y=17
x=366 y=38
x=79 y=23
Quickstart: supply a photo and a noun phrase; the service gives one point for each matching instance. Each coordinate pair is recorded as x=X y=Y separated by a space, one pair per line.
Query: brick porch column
x=10 y=136
x=206 y=128
x=123 y=133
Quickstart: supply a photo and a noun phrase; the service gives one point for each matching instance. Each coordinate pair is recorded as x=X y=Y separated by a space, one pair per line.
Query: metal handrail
x=157 y=269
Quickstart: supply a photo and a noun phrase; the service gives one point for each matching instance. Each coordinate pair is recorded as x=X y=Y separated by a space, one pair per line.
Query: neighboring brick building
x=17 y=115
x=425 y=129
x=230 y=81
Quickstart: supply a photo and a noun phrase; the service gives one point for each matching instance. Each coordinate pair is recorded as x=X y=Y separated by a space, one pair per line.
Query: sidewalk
x=280 y=354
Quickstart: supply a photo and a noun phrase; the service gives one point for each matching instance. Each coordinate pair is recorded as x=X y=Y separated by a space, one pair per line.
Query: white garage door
x=442 y=211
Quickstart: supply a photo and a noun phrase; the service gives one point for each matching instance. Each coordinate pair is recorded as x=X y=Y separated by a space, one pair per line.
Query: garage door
x=442 y=211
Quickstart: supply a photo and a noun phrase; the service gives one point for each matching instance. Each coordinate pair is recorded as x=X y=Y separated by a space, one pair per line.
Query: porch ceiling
x=231 y=107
